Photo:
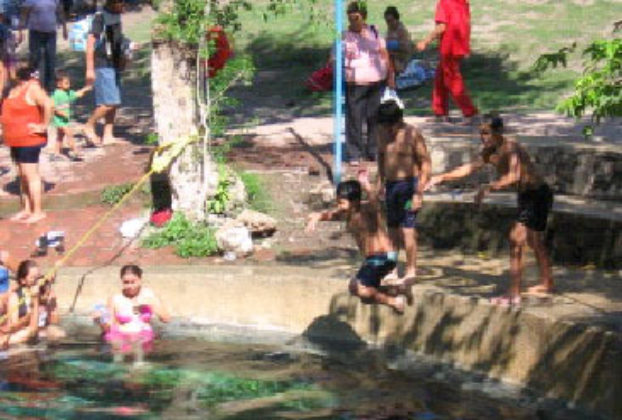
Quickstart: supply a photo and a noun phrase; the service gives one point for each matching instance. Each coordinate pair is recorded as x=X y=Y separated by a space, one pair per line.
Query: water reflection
x=195 y=379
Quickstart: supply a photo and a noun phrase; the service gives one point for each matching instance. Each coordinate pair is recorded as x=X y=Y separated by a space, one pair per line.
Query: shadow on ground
x=278 y=93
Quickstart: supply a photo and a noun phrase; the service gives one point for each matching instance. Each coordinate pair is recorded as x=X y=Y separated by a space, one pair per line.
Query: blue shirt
x=42 y=17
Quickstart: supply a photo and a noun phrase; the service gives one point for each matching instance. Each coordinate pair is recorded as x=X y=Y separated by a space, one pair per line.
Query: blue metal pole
x=338 y=93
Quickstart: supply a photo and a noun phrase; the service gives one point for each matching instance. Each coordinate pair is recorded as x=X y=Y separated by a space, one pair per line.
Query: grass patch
x=189 y=239
x=259 y=198
x=112 y=194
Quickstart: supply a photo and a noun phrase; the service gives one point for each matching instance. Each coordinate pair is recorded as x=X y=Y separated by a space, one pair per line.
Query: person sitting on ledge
x=535 y=200
x=365 y=222
x=23 y=308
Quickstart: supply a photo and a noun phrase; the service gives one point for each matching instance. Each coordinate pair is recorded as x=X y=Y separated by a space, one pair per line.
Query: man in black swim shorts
x=535 y=200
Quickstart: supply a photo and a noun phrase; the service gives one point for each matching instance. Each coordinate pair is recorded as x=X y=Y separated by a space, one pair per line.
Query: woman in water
x=23 y=312
x=32 y=307
x=131 y=312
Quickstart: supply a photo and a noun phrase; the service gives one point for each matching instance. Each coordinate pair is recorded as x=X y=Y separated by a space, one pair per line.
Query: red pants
x=449 y=80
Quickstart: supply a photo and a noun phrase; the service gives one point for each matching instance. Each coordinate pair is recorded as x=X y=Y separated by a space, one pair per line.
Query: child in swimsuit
x=365 y=222
x=130 y=314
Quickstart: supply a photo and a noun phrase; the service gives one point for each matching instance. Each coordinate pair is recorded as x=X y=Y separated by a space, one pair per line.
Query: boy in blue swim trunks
x=403 y=170
x=365 y=222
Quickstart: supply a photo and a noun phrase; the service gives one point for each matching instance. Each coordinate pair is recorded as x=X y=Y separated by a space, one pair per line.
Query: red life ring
x=223 y=53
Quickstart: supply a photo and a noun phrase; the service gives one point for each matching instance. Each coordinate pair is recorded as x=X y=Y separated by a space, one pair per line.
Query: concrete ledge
x=556 y=355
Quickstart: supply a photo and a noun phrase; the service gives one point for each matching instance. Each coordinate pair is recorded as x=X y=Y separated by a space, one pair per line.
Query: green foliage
x=112 y=194
x=218 y=203
x=240 y=69
x=258 y=197
x=220 y=151
x=151 y=139
x=552 y=60
x=190 y=239
x=186 y=21
x=599 y=89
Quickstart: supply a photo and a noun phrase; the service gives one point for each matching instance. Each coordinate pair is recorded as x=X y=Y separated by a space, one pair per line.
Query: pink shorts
x=126 y=341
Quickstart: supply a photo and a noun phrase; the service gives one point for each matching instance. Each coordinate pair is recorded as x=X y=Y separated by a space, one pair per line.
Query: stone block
x=322 y=196
x=258 y=223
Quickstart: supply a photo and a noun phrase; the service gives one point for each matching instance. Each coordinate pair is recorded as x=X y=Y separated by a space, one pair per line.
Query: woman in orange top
x=26 y=113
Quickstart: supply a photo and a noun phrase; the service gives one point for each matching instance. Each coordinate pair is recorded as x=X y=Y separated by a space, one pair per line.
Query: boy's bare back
x=368 y=229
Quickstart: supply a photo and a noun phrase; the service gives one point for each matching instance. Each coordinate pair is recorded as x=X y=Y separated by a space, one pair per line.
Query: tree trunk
x=173 y=75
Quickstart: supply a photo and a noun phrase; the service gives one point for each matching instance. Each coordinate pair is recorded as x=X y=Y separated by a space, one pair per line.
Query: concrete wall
x=582 y=169
x=553 y=355
x=572 y=237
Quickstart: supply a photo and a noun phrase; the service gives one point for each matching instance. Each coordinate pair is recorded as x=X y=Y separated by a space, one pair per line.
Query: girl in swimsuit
x=131 y=312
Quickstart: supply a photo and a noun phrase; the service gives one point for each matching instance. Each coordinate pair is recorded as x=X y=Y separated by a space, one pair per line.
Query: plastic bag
x=390 y=94
x=417 y=72
x=79 y=33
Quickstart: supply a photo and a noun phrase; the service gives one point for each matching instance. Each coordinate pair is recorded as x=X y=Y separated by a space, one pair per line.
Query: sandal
x=74 y=157
x=506 y=300
x=540 y=291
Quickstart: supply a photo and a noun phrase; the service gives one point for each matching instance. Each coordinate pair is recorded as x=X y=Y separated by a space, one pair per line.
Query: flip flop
x=33 y=219
x=506 y=300
x=19 y=216
x=539 y=290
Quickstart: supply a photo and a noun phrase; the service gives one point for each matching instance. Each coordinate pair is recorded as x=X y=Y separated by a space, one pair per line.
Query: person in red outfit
x=453 y=27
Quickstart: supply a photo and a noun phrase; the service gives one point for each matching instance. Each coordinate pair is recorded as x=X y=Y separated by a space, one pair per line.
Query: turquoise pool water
x=198 y=379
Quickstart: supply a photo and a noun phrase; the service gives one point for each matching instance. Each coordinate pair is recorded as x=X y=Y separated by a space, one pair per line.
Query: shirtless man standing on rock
x=403 y=171
x=535 y=200
x=364 y=220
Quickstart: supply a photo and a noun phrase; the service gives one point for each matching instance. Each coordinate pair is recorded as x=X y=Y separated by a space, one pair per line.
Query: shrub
x=218 y=203
x=599 y=89
x=189 y=239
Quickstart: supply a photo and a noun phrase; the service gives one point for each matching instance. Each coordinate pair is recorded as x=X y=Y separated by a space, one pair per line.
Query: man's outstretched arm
x=458 y=173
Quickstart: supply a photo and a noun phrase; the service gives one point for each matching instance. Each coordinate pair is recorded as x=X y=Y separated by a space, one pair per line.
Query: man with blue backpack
x=106 y=55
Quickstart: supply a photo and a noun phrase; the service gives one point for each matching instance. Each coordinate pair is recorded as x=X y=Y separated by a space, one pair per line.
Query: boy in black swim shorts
x=535 y=200
x=404 y=168
x=365 y=222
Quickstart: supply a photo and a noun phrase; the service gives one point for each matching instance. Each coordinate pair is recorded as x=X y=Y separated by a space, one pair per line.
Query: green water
x=198 y=379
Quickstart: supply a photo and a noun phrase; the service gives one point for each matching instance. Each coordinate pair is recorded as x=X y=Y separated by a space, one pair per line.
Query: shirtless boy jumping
x=365 y=222
x=535 y=199
x=403 y=170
